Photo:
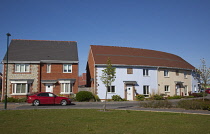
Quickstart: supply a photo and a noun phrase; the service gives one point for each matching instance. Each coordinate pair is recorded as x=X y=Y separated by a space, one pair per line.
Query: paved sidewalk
x=18 y=106
x=11 y=106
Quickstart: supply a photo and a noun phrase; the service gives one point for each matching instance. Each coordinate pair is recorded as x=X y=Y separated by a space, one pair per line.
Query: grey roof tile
x=37 y=50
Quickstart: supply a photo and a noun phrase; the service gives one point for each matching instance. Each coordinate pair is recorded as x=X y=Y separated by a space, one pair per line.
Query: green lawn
x=75 y=121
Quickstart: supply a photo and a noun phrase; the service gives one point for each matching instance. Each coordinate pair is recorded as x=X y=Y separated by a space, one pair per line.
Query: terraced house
x=41 y=66
x=140 y=71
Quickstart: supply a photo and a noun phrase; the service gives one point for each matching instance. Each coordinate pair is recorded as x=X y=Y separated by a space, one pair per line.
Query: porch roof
x=130 y=82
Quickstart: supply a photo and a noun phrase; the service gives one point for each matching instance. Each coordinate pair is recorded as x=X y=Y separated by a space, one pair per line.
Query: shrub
x=194 y=104
x=116 y=98
x=156 y=104
x=84 y=96
x=157 y=97
x=22 y=99
x=97 y=98
x=174 y=97
x=140 y=97
x=199 y=94
x=11 y=99
x=73 y=97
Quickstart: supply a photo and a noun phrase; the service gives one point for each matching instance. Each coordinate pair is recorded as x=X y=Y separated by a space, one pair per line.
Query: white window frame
x=27 y=87
x=48 y=68
x=166 y=73
x=68 y=69
x=112 y=90
x=167 y=88
x=145 y=72
x=64 y=83
x=147 y=90
x=66 y=88
x=22 y=68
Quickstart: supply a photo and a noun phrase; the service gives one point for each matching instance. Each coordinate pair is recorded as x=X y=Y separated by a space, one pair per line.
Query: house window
x=145 y=72
x=22 y=67
x=185 y=74
x=146 y=91
x=21 y=88
x=111 y=89
x=48 y=68
x=167 y=89
x=129 y=70
x=66 y=88
x=166 y=74
x=177 y=72
x=185 y=90
x=67 y=68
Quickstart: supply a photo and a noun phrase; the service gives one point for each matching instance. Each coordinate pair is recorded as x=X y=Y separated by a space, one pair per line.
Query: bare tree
x=204 y=73
x=108 y=76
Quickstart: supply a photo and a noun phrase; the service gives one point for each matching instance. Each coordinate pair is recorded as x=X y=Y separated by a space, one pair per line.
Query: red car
x=47 y=98
x=207 y=91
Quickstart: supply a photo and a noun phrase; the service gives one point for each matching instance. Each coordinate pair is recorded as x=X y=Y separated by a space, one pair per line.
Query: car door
x=43 y=98
x=51 y=99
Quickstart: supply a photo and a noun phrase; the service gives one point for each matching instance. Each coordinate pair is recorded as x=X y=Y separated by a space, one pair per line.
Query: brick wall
x=57 y=73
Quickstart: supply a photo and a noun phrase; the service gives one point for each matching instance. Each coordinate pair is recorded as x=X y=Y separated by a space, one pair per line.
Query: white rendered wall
x=121 y=75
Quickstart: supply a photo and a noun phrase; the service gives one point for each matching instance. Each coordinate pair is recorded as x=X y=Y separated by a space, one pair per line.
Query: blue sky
x=180 y=27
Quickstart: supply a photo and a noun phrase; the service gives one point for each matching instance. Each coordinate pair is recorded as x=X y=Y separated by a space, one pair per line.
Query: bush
x=194 y=104
x=84 y=96
x=11 y=99
x=97 y=98
x=156 y=104
x=140 y=97
x=174 y=97
x=116 y=98
x=157 y=97
x=199 y=94
x=73 y=97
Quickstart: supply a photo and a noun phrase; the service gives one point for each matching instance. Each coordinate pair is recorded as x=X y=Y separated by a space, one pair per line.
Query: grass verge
x=89 y=121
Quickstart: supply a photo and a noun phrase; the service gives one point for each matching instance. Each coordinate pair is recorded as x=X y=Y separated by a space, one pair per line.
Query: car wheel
x=36 y=103
x=63 y=102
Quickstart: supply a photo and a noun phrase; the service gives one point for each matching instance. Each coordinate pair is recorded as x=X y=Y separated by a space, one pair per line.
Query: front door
x=178 y=90
x=129 y=92
x=49 y=87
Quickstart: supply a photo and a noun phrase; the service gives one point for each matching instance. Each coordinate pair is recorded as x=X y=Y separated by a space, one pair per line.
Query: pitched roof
x=137 y=57
x=42 y=50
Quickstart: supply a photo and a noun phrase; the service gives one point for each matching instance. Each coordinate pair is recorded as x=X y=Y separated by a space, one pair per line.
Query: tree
x=204 y=73
x=108 y=76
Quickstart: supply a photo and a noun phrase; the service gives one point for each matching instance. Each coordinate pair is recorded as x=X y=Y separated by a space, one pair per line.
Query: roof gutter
x=119 y=65
x=42 y=61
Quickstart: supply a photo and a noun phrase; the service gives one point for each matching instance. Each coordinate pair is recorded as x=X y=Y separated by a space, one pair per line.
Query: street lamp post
x=5 y=106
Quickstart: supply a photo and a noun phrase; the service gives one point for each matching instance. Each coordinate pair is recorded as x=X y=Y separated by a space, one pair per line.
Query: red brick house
x=41 y=66
x=82 y=80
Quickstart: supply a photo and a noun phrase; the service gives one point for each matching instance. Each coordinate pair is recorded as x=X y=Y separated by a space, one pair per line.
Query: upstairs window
x=48 y=68
x=185 y=74
x=145 y=72
x=166 y=74
x=22 y=68
x=177 y=72
x=129 y=70
x=67 y=68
